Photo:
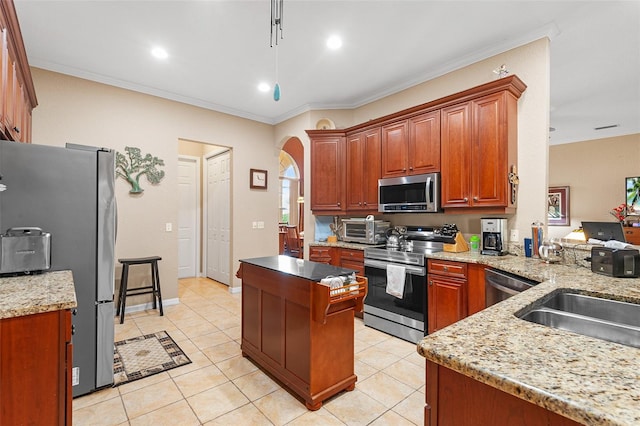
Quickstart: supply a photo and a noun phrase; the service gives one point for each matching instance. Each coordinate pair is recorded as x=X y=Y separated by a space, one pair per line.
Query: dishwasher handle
x=507 y=283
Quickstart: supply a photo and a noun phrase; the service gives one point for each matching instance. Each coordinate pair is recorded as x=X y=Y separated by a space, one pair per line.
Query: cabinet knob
x=338 y=204
x=430 y=282
x=404 y=170
x=475 y=198
x=359 y=203
x=16 y=129
x=466 y=199
x=445 y=268
x=365 y=203
x=410 y=167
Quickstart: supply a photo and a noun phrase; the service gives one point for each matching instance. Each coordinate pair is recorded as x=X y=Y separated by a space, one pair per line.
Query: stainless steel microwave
x=410 y=194
x=364 y=231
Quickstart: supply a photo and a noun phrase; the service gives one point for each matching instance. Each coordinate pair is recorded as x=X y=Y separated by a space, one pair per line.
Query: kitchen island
x=575 y=379
x=35 y=348
x=298 y=330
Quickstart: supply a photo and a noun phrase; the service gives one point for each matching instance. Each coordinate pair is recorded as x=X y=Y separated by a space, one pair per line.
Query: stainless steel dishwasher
x=500 y=285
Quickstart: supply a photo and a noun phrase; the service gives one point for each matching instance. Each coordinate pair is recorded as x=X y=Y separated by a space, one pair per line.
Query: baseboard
x=235 y=290
x=149 y=306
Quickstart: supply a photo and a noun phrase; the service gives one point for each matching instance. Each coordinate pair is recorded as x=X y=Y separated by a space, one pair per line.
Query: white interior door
x=188 y=216
x=218 y=208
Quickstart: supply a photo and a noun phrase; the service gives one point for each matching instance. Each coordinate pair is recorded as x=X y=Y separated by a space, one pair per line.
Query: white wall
x=79 y=111
x=595 y=173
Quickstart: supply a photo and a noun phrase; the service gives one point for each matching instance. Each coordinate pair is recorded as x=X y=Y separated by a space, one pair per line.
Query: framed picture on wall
x=257 y=179
x=632 y=196
x=558 y=206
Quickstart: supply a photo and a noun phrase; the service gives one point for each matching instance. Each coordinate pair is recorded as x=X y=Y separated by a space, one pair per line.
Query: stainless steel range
x=403 y=317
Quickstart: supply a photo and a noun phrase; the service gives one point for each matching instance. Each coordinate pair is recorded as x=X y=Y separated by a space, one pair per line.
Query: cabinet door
x=35 y=380
x=632 y=235
x=489 y=168
x=447 y=301
x=394 y=149
x=352 y=259
x=327 y=173
x=321 y=254
x=363 y=170
x=456 y=155
x=424 y=143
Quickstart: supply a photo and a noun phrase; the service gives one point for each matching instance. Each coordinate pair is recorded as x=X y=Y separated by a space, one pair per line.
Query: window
x=289 y=181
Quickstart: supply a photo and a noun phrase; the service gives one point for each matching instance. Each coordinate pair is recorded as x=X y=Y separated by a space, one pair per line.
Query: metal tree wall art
x=132 y=166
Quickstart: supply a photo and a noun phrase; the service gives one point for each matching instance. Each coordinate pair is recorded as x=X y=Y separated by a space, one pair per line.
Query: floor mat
x=145 y=356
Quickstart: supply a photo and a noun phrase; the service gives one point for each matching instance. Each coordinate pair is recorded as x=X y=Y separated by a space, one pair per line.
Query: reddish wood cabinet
x=455 y=291
x=632 y=235
x=470 y=137
x=363 y=170
x=446 y=293
x=411 y=146
x=327 y=172
x=18 y=96
x=352 y=259
x=453 y=399
x=338 y=256
x=299 y=332
x=479 y=147
x=35 y=369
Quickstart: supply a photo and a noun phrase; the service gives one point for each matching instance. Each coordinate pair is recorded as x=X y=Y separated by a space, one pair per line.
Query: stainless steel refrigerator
x=69 y=192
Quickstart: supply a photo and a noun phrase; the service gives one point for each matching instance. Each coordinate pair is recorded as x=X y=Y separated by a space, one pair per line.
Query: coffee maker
x=494 y=236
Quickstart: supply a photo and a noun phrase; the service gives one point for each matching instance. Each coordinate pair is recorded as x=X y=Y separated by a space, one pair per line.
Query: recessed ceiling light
x=159 y=53
x=264 y=87
x=334 y=42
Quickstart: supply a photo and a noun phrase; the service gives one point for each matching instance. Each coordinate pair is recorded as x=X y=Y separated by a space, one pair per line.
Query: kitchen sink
x=597 y=317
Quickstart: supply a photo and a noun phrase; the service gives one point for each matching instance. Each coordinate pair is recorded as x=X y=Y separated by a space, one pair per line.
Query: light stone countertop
x=37 y=293
x=589 y=380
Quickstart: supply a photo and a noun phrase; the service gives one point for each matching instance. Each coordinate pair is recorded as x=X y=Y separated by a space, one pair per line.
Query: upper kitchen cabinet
x=479 y=149
x=327 y=171
x=363 y=170
x=411 y=146
x=18 y=96
x=470 y=137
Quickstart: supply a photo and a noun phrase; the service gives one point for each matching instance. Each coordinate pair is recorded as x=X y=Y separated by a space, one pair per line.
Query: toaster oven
x=25 y=250
x=364 y=231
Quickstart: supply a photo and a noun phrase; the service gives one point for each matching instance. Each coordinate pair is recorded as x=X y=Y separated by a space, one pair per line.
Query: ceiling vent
x=606 y=127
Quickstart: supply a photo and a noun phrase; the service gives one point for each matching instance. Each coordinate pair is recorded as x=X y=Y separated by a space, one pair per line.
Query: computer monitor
x=603 y=231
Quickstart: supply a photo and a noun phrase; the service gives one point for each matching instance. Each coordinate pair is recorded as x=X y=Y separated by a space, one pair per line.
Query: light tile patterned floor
x=220 y=387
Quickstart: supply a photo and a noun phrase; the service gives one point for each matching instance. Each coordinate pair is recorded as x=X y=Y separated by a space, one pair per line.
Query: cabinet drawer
x=320 y=254
x=632 y=235
x=352 y=254
x=448 y=268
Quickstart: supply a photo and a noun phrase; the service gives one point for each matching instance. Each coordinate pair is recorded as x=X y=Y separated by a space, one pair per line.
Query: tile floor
x=220 y=387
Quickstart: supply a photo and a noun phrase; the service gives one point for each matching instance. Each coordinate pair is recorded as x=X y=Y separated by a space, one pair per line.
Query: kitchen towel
x=395 y=280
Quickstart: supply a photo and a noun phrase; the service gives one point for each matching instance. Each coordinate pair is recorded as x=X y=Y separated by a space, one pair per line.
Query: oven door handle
x=411 y=270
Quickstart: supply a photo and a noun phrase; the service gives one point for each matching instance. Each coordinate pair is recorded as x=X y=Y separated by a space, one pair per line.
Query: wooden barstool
x=154 y=288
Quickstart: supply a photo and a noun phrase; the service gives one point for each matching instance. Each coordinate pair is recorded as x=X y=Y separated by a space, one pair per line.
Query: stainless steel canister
x=537 y=237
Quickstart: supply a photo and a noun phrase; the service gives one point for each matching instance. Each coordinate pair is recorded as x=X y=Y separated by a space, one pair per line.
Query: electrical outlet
x=261 y=225
x=515 y=235
x=255 y=225
x=168 y=227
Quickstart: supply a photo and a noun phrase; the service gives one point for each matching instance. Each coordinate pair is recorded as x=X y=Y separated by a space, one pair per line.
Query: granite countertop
x=37 y=293
x=589 y=380
x=306 y=269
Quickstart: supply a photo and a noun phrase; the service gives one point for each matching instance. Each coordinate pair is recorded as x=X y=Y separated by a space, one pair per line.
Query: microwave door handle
x=430 y=190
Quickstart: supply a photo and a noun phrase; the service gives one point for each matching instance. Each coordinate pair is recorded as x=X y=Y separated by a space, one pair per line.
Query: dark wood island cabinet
x=298 y=330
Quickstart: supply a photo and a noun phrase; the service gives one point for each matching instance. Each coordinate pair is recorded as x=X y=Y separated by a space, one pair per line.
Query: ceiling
x=220 y=50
